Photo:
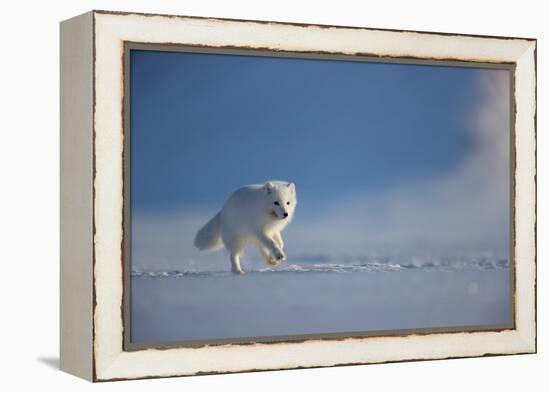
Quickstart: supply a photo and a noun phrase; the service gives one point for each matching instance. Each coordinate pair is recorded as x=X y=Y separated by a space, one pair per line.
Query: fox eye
x=276 y=203
x=288 y=203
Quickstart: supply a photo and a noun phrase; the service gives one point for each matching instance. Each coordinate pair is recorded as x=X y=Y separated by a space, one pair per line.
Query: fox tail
x=209 y=237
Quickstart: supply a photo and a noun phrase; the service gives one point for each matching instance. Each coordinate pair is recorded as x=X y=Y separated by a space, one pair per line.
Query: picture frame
x=94 y=262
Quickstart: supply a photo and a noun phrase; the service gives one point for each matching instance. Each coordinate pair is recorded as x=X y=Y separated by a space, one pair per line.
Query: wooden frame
x=92 y=189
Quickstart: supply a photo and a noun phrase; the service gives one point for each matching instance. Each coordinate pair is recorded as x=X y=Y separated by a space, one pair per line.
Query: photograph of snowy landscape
x=335 y=196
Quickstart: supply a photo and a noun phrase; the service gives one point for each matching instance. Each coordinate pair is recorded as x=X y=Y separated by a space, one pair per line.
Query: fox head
x=280 y=199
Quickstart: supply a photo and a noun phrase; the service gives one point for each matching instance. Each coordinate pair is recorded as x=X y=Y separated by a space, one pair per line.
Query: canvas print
x=277 y=197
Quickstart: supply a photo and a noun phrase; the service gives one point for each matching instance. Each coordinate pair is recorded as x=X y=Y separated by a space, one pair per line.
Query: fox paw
x=280 y=256
x=275 y=259
x=272 y=261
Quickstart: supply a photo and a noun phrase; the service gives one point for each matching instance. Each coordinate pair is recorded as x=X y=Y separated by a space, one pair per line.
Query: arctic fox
x=254 y=214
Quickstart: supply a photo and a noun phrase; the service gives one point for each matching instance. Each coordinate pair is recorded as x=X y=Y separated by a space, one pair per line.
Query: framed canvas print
x=245 y=195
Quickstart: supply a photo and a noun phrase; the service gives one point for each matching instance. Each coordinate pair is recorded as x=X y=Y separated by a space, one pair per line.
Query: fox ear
x=291 y=186
x=269 y=187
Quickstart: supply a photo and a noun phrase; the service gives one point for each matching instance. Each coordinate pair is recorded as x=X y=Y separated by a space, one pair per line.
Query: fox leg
x=236 y=263
x=270 y=259
x=278 y=239
x=271 y=247
x=235 y=245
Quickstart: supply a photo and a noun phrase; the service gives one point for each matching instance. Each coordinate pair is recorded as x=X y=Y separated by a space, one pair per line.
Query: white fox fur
x=254 y=214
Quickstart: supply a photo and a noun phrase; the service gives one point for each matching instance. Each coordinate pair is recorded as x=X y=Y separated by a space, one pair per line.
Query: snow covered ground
x=318 y=297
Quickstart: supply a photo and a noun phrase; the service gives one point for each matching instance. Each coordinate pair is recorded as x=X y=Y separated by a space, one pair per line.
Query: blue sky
x=205 y=124
x=347 y=133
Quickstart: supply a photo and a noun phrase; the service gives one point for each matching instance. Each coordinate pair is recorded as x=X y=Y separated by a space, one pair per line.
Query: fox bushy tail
x=209 y=237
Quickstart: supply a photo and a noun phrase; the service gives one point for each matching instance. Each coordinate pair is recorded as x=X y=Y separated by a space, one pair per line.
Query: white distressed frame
x=111 y=30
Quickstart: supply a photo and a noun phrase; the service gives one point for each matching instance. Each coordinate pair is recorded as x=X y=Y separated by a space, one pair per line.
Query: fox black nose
x=286 y=215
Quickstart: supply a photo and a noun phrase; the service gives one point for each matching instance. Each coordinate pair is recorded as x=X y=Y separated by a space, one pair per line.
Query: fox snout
x=279 y=214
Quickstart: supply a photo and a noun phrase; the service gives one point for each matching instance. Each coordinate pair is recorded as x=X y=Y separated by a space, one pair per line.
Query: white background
x=29 y=204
